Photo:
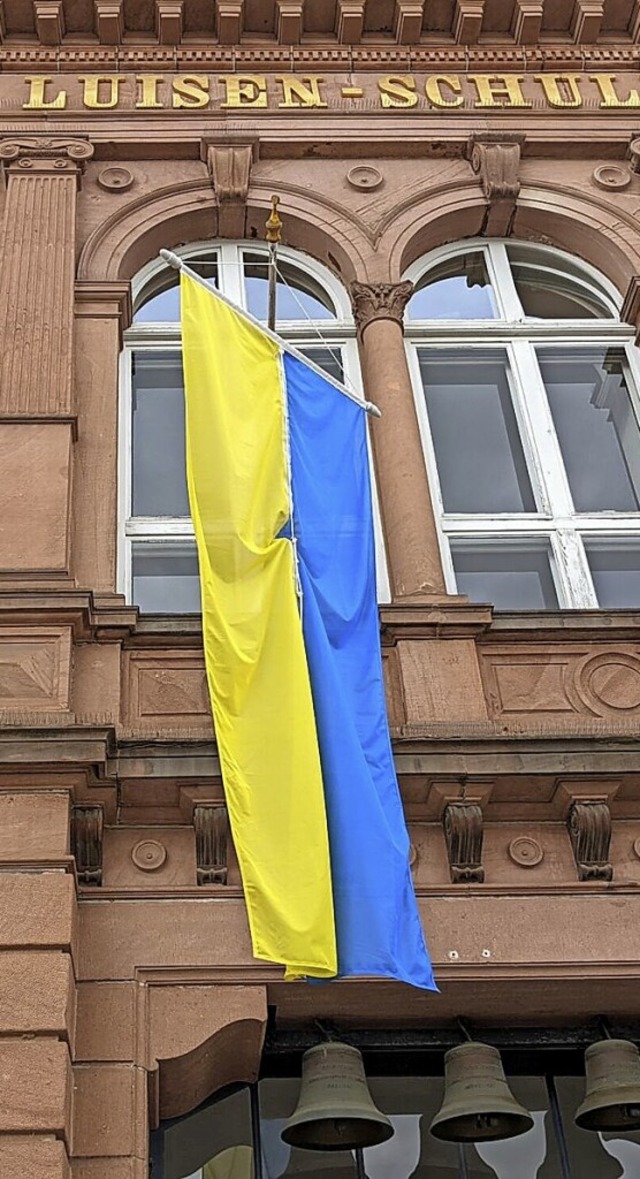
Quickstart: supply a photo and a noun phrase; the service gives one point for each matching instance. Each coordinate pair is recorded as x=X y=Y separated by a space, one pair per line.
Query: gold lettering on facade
x=397 y=90
x=433 y=90
x=244 y=90
x=561 y=90
x=303 y=91
x=37 y=100
x=606 y=86
x=190 y=91
x=498 y=90
x=148 y=96
x=94 y=96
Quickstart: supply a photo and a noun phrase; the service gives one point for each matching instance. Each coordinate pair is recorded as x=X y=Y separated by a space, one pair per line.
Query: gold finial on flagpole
x=273 y=224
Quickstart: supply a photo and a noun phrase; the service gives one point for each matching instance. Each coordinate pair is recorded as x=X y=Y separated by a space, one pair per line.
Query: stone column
x=37 y=265
x=415 y=568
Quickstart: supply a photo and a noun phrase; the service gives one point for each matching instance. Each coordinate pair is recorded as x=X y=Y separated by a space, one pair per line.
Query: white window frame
x=556 y=519
x=164 y=337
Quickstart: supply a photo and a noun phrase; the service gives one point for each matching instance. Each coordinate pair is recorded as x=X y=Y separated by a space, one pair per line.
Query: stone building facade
x=428 y=155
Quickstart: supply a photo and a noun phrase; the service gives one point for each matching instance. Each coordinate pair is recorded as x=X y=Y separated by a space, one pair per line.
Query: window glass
x=480 y=459
x=213 y=1142
x=593 y=1155
x=596 y=426
x=160 y=302
x=329 y=359
x=513 y=575
x=165 y=577
x=459 y=288
x=159 y=479
x=298 y=295
x=278 y=1099
x=554 y=288
x=615 y=569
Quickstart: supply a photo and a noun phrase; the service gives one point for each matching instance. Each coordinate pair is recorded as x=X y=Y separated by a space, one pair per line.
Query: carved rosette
x=382 y=300
x=462 y=823
x=87 y=824
x=44 y=153
x=589 y=826
x=211 y=824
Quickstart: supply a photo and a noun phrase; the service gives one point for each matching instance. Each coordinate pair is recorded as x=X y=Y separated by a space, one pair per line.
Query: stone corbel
x=586 y=21
x=211 y=824
x=462 y=822
x=381 y=300
x=49 y=21
x=407 y=25
x=349 y=21
x=229 y=166
x=495 y=159
x=3 y=23
x=467 y=21
x=589 y=824
x=229 y=19
x=289 y=21
x=87 y=823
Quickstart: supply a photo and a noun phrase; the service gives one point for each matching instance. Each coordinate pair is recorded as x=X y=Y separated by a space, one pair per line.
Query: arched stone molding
x=201 y=1038
x=188 y=212
x=588 y=226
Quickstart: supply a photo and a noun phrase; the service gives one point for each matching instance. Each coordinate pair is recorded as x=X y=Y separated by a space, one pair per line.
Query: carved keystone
x=462 y=823
x=229 y=166
x=211 y=825
x=87 y=824
x=589 y=826
x=382 y=300
x=495 y=158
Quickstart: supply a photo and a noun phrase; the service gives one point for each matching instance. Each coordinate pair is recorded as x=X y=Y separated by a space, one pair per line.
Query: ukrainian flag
x=281 y=505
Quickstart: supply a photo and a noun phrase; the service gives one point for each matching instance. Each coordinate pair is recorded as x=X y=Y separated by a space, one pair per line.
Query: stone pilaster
x=37 y=265
x=408 y=520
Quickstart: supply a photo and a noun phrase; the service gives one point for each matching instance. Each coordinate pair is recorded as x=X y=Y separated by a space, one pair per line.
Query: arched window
x=527 y=391
x=158 y=563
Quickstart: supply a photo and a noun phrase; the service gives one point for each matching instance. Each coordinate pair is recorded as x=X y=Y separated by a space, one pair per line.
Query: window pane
x=329 y=359
x=457 y=289
x=278 y=1100
x=595 y=1156
x=159 y=479
x=596 y=427
x=480 y=459
x=615 y=569
x=513 y=576
x=554 y=288
x=165 y=577
x=160 y=301
x=533 y=1155
x=299 y=295
x=216 y=1137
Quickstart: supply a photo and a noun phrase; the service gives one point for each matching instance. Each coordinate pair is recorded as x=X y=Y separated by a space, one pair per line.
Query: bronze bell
x=612 y=1100
x=335 y=1110
x=478 y=1105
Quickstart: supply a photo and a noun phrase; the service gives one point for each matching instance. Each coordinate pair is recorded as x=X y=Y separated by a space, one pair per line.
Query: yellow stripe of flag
x=255 y=658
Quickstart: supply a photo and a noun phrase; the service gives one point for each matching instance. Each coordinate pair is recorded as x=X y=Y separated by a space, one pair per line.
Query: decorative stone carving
x=382 y=300
x=365 y=177
x=525 y=851
x=211 y=825
x=87 y=824
x=149 y=855
x=115 y=179
x=589 y=826
x=495 y=158
x=633 y=152
x=35 y=667
x=463 y=832
x=612 y=176
x=37 y=270
x=229 y=166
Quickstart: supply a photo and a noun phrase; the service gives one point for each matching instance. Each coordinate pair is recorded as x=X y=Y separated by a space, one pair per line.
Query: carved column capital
x=589 y=826
x=380 y=300
x=495 y=159
x=229 y=166
x=44 y=153
x=462 y=823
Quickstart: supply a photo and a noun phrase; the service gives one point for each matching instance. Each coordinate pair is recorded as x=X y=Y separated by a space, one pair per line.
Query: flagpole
x=177 y=263
x=273 y=226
